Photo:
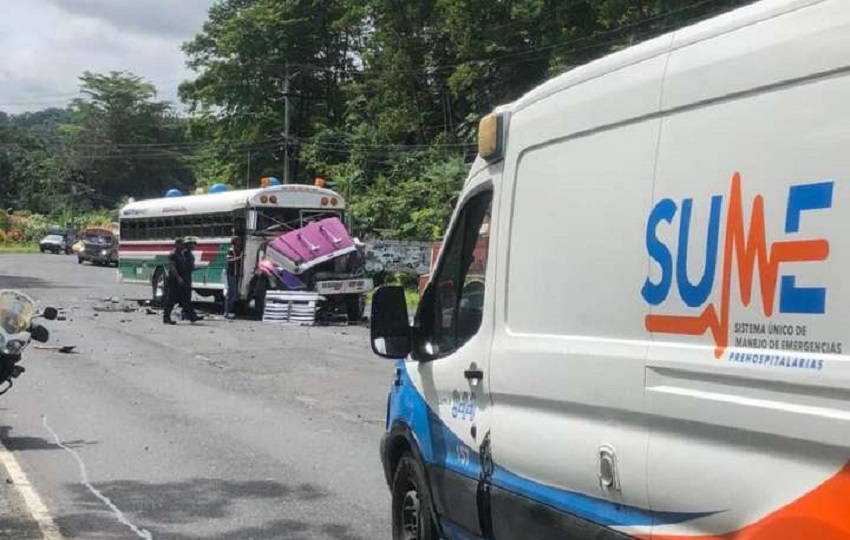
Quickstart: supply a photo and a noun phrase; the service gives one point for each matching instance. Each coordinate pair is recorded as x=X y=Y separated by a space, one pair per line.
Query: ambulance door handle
x=473 y=374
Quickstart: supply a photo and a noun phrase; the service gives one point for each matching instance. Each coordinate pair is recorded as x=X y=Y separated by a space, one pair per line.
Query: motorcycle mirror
x=50 y=313
x=39 y=333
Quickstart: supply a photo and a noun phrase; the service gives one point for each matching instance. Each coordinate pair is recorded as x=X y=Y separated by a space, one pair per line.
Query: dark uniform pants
x=177 y=294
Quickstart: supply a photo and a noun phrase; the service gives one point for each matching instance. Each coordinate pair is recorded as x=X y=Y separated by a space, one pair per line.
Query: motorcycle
x=17 y=328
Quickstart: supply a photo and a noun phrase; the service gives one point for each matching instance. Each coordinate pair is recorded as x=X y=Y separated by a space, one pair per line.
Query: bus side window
x=224 y=225
x=208 y=226
x=168 y=228
x=199 y=227
x=238 y=227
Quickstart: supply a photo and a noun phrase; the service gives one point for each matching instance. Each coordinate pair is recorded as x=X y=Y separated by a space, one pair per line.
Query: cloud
x=47 y=44
x=179 y=18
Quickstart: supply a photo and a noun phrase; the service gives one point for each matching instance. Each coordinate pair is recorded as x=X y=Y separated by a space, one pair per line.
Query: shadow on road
x=20 y=444
x=19 y=529
x=26 y=282
x=155 y=506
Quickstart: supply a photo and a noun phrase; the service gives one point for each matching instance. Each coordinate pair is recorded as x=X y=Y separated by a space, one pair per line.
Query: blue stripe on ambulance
x=434 y=438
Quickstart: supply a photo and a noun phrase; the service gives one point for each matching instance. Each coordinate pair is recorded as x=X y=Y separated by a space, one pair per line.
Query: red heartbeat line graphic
x=747 y=251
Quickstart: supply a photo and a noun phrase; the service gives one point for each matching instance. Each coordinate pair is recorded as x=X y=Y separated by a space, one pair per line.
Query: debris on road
x=65 y=349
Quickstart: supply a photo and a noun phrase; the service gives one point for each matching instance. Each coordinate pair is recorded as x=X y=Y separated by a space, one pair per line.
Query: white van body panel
x=667 y=292
x=556 y=399
x=763 y=102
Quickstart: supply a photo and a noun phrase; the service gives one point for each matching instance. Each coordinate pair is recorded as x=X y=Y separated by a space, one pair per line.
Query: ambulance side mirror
x=390 y=325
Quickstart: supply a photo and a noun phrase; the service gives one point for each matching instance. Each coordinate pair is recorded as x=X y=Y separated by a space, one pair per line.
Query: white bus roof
x=289 y=195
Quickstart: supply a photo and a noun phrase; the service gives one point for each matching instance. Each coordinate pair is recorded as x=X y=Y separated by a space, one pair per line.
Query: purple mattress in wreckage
x=299 y=250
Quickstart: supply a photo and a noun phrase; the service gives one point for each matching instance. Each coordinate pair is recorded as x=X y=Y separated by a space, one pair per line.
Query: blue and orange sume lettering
x=748 y=248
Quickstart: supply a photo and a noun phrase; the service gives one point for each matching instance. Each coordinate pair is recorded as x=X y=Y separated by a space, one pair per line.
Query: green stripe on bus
x=143 y=269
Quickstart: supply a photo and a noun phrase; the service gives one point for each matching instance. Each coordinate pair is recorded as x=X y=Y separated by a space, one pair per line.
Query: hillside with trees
x=379 y=97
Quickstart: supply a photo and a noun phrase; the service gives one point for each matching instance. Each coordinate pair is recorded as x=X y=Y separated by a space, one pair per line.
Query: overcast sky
x=46 y=44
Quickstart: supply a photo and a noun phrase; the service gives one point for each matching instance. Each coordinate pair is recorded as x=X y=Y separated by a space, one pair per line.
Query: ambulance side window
x=452 y=309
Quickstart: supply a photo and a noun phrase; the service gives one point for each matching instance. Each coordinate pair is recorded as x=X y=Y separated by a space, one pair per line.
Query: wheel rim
x=410 y=509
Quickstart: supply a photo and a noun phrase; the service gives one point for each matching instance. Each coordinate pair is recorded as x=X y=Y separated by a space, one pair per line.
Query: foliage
x=114 y=142
x=384 y=99
x=18 y=248
x=34 y=227
x=127 y=140
x=386 y=95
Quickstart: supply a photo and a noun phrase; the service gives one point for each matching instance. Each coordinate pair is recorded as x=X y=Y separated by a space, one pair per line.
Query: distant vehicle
x=100 y=247
x=69 y=235
x=651 y=340
x=53 y=243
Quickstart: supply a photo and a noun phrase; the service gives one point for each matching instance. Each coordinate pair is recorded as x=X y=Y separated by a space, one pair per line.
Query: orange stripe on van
x=822 y=514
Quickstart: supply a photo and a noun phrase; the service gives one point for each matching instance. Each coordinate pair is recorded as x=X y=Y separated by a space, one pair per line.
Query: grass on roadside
x=18 y=248
x=412 y=298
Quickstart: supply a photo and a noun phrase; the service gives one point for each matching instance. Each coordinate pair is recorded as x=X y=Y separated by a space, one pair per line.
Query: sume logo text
x=749 y=249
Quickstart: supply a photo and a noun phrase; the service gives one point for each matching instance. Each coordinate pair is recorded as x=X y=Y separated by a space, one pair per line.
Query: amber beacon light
x=490 y=137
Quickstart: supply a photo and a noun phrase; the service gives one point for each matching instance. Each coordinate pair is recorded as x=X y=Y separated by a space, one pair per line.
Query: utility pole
x=286 y=123
x=73 y=196
x=248 y=172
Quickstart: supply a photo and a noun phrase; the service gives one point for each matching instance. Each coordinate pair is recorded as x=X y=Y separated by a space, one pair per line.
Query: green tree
x=247 y=53
x=387 y=94
x=125 y=142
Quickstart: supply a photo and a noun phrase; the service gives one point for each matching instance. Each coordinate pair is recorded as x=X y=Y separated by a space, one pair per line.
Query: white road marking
x=37 y=509
x=84 y=478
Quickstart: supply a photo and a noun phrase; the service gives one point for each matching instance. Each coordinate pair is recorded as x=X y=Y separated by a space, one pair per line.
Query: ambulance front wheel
x=411 y=504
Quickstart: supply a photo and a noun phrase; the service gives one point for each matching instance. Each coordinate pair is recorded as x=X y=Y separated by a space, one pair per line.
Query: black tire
x=411 y=503
x=79 y=260
x=41 y=249
x=355 y=307
x=260 y=288
x=158 y=287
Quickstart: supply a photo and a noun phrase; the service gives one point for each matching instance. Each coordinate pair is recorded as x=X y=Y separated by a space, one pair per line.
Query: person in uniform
x=187 y=267
x=234 y=264
x=174 y=283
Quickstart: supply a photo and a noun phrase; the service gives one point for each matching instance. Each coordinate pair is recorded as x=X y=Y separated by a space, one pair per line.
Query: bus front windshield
x=275 y=220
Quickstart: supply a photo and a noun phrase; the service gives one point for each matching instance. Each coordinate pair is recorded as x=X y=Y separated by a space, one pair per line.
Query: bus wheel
x=218 y=299
x=260 y=289
x=411 y=505
x=355 y=306
x=158 y=287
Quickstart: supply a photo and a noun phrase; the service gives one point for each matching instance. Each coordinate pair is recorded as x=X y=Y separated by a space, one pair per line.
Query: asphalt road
x=227 y=430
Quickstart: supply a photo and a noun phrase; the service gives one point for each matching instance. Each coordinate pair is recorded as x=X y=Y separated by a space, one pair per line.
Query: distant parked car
x=54 y=243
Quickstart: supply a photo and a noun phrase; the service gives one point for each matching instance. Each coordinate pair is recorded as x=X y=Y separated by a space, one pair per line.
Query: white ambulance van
x=636 y=327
